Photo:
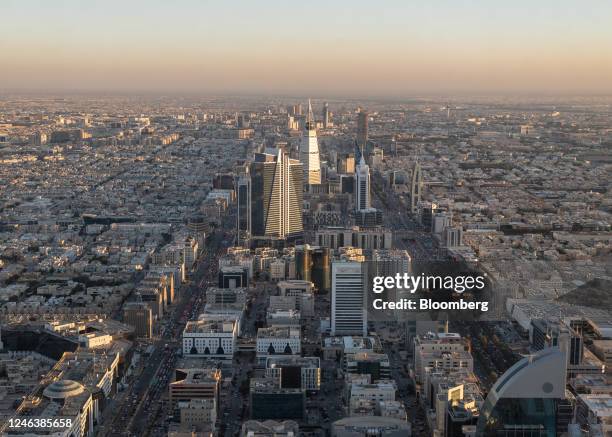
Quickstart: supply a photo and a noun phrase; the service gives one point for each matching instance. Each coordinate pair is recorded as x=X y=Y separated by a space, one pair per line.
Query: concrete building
x=369 y=363
x=270 y=428
x=213 y=335
x=278 y=340
x=198 y=414
x=140 y=316
x=440 y=350
x=363 y=238
x=195 y=383
x=368 y=426
x=295 y=372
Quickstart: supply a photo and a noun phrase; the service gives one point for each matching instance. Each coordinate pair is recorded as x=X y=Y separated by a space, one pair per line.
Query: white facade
x=93 y=340
x=382 y=391
x=349 y=315
x=309 y=151
x=278 y=340
x=440 y=351
x=362 y=186
x=212 y=335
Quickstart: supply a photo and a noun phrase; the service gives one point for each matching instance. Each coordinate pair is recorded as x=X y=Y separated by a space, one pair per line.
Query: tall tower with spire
x=309 y=151
x=416 y=187
x=362 y=186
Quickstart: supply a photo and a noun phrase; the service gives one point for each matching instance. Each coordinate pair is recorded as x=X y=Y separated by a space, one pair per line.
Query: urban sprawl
x=198 y=266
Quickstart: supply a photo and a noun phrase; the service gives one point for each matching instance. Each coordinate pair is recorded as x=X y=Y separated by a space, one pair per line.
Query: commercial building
x=269 y=401
x=140 y=316
x=198 y=415
x=594 y=413
x=383 y=390
x=362 y=186
x=213 y=335
x=226 y=296
x=326 y=116
x=278 y=340
x=290 y=317
x=368 y=218
x=77 y=388
x=195 y=383
x=362 y=129
x=337 y=347
x=276 y=197
x=313 y=265
x=366 y=426
x=363 y=238
x=526 y=398
x=233 y=277
x=302 y=293
x=345 y=164
x=348 y=313
x=309 y=151
x=368 y=363
x=295 y=372
x=440 y=351
x=270 y=428
x=244 y=207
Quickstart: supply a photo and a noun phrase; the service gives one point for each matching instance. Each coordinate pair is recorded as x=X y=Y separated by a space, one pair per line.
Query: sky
x=338 y=48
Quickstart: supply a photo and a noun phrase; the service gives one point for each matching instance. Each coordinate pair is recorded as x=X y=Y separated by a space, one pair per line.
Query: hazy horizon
x=388 y=49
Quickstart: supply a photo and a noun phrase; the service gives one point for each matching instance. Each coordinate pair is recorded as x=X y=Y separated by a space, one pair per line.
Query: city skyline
x=314 y=219
x=179 y=234
x=319 y=49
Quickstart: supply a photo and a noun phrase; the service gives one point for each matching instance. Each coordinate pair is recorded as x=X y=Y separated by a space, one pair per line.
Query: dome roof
x=63 y=389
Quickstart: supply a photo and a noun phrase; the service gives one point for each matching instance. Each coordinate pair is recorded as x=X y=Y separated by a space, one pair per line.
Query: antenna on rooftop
x=310 y=124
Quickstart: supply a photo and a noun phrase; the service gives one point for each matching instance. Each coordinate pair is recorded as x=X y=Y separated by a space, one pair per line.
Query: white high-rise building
x=349 y=314
x=362 y=186
x=309 y=151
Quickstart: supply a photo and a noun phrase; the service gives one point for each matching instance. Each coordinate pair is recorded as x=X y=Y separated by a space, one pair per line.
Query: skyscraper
x=309 y=151
x=416 y=187
x=346 y=163
x=362 y=129
x=276 y=196
x=320 y=274
x=362 y=186
x=244 y=206
x=303 y=262
x=326 y=115
x=349 y=314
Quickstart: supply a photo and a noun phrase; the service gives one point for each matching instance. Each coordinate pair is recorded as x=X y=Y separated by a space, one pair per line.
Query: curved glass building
x=526 y=399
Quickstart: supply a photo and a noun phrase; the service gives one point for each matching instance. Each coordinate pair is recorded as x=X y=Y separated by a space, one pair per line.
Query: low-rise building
x=213 y=336
x=278 y=340
x=295 y=371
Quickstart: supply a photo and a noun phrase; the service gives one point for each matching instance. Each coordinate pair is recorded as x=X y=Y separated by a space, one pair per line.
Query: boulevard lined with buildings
x=203 y=267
